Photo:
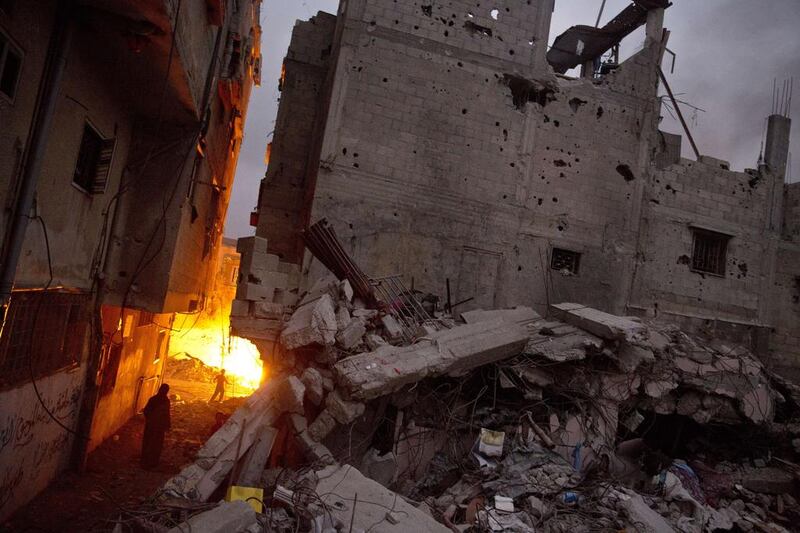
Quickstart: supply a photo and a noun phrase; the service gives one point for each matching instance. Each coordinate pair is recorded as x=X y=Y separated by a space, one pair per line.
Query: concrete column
x=776 y=154
x=776 y=151
x=655 y=26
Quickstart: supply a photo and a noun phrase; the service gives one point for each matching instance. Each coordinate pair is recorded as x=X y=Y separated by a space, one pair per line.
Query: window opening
x=145 y=319
x=94 y=161
x=565 y=260
x=45 y=332
x=10 y=65
x=110 y=370
x=709 y=252
x=162 y=347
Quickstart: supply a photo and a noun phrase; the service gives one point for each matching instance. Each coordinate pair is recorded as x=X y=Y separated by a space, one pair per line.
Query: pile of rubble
x=498 y=420
x=184 y=366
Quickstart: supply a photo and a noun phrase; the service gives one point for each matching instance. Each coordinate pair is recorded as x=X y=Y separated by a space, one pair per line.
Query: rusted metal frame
x=358 y=277
x=678 y=111
x=351 y=270
x=408 y=333
x=419 y=311
x=406 y=322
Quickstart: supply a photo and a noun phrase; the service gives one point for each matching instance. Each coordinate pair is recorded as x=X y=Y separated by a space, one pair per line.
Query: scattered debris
x=503 y=421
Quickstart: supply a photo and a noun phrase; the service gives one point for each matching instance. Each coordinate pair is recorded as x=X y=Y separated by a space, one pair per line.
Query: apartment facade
x=121 y=126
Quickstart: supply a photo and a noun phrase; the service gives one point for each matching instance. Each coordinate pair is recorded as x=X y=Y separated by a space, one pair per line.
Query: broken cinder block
x=351 y=335
x=289 y=395
x=393 y=329
x=311 y=323
x=240 y=308
x=254 y=292
x=321 y=426
x=312 y=379
x=343 y=411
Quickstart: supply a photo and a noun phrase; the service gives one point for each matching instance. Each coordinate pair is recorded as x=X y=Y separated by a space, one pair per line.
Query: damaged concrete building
x=445 y=143
x=121 y=127
x=511 y=386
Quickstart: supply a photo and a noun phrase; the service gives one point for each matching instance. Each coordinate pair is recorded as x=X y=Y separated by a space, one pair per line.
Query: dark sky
x=728 y=54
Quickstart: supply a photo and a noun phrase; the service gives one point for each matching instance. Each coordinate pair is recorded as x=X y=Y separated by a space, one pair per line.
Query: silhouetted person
x=156 y=424
x=220 y=388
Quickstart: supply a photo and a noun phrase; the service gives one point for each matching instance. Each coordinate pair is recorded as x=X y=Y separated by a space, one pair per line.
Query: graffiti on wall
x=30 y=440
x=18 y=429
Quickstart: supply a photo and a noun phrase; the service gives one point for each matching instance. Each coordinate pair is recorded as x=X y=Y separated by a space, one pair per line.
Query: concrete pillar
x=655 y=26
x=776 y=154
x=776 y=151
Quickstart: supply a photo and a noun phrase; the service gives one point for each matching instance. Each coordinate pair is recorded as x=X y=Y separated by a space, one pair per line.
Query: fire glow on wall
x=205 y=337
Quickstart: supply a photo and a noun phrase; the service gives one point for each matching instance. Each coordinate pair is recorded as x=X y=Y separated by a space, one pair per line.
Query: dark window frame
x=709 y=252
x=45 y=332
x=94 y=161
x=145 y=318
x=8 y=46
x=561 y=258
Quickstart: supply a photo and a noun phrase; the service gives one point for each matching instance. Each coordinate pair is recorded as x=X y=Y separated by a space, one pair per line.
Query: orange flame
x=209 y=342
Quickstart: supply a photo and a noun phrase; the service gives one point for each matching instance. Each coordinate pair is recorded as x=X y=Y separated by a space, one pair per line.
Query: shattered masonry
x=440 y=144
x=598 y=332
x=499 y=420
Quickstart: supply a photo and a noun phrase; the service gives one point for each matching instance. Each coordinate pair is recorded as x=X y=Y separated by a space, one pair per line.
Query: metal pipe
x=678 y=111
x=40 y=134
x=600 y=14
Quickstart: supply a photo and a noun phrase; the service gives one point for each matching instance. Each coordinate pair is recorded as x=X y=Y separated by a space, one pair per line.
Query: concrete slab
x=343 y=487
x=602 y=324
x=521 y=315
x=462 y=348
x=256 y=458
x=224 y=518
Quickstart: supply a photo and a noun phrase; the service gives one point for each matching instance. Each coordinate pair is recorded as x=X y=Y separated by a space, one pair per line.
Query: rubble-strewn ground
x=114 y=479
x=380 y=418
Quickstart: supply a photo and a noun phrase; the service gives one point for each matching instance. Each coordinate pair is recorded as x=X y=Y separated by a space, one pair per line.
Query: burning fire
x=208 y=340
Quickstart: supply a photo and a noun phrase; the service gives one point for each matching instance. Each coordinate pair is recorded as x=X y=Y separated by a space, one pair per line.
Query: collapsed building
x=452 y=385
x=121 y=127
x=383 y=414
x=444 y=143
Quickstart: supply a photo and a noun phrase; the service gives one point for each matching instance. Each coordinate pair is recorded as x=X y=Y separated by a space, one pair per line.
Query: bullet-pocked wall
x=785 y=294
x=451 y=151
x=694 y=200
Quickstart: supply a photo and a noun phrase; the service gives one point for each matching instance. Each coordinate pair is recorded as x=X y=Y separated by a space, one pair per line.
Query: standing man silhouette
x=156 y=423
x=220 y=388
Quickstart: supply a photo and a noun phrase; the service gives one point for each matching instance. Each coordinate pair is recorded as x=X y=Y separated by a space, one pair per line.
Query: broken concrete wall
x=281 y=203
x=452 y=153
x=450 y=150
x=693 y=196
x=34 y=449
x=791 y=212
x=784 y=341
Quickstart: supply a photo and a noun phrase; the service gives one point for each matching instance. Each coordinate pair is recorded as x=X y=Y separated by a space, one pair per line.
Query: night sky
x=728 y=54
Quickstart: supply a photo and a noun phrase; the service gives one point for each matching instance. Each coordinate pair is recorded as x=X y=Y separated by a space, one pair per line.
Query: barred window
x=44 y=332
x=709 y=251
x=145 y=319
x=94 y=161
x=565 y=260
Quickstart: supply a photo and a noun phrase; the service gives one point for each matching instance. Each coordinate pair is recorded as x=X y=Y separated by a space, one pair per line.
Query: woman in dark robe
x=156 y=424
